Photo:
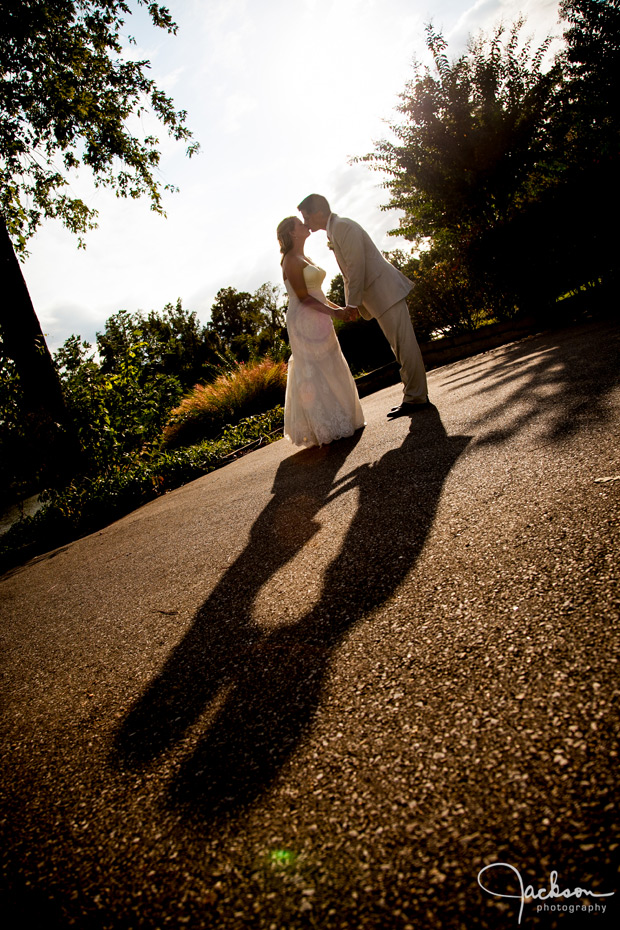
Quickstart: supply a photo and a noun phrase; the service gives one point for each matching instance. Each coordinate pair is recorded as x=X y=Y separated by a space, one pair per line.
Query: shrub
x=249 y=389
x=92 y=502
x=116 y=413
x=445 y=299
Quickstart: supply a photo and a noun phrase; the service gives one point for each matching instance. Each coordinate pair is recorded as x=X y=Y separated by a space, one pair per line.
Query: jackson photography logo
x=542 y=898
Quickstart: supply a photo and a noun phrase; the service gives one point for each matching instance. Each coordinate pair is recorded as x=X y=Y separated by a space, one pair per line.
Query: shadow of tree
x=269 y=683
x=555 y=380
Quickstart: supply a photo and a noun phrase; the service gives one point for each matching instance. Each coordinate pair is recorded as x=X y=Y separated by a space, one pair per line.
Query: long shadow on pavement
x=268 y=683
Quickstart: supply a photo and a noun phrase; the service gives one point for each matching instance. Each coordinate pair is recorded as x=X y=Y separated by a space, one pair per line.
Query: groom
x=373 y=288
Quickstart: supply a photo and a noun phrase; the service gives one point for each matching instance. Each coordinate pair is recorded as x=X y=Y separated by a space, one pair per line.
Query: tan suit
x=379 y=289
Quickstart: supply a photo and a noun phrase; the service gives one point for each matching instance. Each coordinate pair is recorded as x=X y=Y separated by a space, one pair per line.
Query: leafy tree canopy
x=172 y=342
x=250 y=325
x=499 y=155
x=66 y=94
x=236 y=313
x=592 y=62
x=268 y=299
x=473 y=140
x=593 y=40
x=116 y=413
x=336 y=291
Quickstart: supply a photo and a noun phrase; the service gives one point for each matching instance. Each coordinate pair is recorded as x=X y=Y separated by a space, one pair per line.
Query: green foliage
x=90 y=503
x=235 y=314
x=590 y=119
x=27 y=435
x=444 y=299
x=168 y=343
x=121 y=403
x=67 y=90
x=473 y=150
x=15 y=448
x=473 y=143
x=68 y=95
x=592 y=64
x=336 y=291
x=116 y=412
x=506 y=173
x=249 y=325
x=249 y=389
x=269 y=299
x=279 y=351
x=120 y=396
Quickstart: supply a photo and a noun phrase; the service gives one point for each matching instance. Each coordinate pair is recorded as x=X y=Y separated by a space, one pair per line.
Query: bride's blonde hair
x=285 y=235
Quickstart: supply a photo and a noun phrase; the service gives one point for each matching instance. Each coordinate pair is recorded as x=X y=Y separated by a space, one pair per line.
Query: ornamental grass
x=251 y=388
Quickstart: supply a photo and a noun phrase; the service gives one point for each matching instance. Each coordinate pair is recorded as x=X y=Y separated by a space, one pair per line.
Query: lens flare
x=282 y=857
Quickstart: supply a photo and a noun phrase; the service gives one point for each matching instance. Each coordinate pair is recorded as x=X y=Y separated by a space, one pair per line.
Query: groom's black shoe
x=406 y=409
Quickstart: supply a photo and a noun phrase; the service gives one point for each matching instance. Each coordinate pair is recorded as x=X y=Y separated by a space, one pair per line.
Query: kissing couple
x=322 y=403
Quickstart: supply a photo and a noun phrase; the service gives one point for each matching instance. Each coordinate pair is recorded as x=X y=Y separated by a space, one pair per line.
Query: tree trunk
x=53 y=437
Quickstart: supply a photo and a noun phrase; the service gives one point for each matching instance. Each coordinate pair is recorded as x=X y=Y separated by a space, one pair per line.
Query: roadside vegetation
x=143 y=425
x=248 y=389
x=91 y=502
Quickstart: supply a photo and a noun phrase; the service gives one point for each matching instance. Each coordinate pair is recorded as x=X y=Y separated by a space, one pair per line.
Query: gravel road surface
x=326 y=689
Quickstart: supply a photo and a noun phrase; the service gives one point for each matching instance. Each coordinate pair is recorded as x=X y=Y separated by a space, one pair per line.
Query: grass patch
x=92 y=503
x=250 y=389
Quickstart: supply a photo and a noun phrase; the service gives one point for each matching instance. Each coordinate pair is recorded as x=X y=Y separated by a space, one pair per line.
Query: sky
x=281 y=95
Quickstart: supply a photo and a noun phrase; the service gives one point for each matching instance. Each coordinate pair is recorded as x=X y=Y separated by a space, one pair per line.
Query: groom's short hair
x=314 y=203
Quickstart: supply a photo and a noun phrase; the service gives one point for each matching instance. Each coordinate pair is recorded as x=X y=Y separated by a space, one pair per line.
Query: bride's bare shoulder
x=292 y=266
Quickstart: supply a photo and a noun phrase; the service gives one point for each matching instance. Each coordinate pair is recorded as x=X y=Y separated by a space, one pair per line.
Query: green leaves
x=116 y=413
x=66 y=94
x=473 y=131
x=249 y=325
x=92 y=502
x=120 y=399
x=499 y=163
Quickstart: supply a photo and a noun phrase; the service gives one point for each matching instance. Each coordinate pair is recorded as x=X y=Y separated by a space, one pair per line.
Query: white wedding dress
x=322 y=403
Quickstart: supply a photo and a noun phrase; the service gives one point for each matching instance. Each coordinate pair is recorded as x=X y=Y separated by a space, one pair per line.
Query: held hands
x=346 y=314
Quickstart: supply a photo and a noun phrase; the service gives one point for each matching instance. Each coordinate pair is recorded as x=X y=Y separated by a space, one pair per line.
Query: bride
x=321 y=401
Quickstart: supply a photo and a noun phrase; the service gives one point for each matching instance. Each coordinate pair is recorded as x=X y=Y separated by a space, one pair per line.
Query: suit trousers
x=398 y=330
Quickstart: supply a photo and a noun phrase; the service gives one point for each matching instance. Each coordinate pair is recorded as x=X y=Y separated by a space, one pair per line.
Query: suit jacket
x=370 y=281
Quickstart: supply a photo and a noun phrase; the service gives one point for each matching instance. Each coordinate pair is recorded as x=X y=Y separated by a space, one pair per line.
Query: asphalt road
x=325 y=689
